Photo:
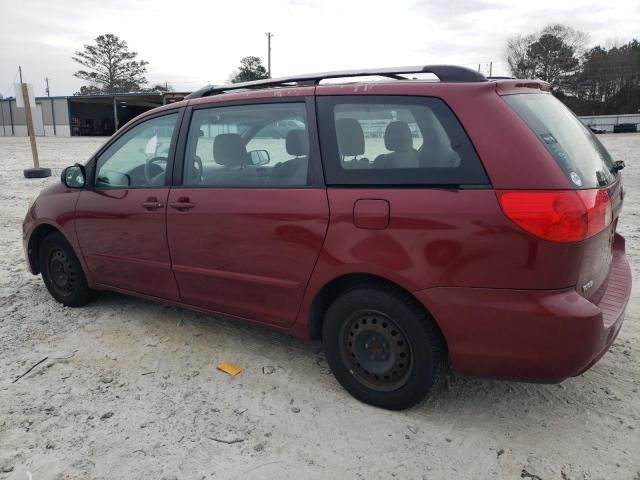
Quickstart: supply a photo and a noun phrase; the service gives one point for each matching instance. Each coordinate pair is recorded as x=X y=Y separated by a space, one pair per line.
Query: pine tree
x=111 y=66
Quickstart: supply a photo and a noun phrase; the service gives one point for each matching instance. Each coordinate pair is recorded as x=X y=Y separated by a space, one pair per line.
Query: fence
x=607 y=122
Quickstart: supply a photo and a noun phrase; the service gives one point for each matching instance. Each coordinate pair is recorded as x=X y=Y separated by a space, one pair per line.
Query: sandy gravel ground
x=130 y=390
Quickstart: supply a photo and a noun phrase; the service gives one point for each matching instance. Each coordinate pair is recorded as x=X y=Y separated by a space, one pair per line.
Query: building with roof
x=80 y=115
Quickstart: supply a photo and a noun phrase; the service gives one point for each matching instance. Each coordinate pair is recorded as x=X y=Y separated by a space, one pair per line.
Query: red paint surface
x=371 y=214
x=530 y=333
x=124 y=244
x=247 y=252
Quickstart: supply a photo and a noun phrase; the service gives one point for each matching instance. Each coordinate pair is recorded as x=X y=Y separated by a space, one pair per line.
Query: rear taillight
x=560 y=216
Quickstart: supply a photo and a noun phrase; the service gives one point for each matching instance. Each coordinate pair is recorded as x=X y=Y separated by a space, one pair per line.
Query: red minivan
x=406 y=222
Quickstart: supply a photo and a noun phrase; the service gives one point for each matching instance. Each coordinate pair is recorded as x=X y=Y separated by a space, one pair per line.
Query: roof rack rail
x=445 y=73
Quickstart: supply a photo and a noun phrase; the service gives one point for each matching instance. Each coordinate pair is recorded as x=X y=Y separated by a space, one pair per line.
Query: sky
x=192 y=43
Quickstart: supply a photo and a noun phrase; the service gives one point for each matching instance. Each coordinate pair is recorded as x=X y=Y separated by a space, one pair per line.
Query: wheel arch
x=337 y=286
x=35 y=241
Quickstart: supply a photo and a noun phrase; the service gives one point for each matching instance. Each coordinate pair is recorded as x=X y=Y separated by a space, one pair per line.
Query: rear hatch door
x=587 y=166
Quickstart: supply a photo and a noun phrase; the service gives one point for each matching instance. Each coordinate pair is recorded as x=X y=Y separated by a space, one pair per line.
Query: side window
x=395 y=141
x=139 y=157
x=248 y=145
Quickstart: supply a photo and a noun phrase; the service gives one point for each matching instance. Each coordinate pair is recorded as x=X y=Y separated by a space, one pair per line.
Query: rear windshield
x=579 y=153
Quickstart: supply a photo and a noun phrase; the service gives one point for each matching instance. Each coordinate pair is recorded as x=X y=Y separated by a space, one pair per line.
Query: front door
x=120 y=222
x=247 y=225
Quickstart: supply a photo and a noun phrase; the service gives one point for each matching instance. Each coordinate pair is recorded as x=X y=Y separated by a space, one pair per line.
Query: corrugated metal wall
x=54 y=112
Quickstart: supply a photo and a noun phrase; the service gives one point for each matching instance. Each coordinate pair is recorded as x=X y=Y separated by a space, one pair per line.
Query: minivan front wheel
x=62 y=272
x=382 y=348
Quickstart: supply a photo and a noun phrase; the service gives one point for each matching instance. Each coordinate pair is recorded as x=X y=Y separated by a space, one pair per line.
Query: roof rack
x=445 y=73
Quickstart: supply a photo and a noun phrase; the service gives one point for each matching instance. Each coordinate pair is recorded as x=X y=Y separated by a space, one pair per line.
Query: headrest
x=297 y=142
x=350 y=137
x=397 y=137
x=229 y=150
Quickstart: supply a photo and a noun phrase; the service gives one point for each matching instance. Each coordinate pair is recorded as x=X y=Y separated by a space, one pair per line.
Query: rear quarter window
x=394 y=140
x=583 y=159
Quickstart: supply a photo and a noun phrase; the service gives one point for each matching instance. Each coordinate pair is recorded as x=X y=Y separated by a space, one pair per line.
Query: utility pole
x=47 y=89
x=29 y=120
x=269 y=35
x=490 y=69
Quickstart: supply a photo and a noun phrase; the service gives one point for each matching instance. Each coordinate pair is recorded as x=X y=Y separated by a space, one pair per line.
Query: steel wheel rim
x=61 y=273
x=375 y=350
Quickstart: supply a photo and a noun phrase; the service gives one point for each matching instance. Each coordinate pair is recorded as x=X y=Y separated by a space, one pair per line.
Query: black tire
x=383 y=348
x=62 y=272
x=37 y=172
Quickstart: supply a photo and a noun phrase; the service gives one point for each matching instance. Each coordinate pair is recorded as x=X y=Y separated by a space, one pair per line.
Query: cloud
x=197 y=42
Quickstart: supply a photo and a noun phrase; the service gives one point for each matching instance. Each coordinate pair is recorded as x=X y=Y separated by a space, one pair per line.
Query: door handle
x=152 y=204
x=182 y=205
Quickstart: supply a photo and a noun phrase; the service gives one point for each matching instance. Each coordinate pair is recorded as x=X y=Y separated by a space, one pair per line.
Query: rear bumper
x=546 y=335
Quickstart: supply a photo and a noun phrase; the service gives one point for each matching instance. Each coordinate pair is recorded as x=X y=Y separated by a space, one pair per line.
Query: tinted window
x=579 y=153
x=139 y=157
x=248 y=145
x=395 y=141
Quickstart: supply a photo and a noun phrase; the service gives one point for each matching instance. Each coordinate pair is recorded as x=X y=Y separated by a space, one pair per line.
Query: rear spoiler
x=507 y=87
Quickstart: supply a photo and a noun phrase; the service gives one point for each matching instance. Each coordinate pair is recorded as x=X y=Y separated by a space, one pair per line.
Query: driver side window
x=139 y=157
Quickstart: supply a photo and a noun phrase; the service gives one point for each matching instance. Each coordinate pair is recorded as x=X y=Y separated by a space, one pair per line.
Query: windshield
x=579 y=153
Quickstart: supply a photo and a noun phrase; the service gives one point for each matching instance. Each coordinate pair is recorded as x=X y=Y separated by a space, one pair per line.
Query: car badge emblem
x=575 y=178
x=587 y=286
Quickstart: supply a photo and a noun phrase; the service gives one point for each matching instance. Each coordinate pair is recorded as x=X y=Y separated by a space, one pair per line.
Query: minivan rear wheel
x=62 y=272
x=382 y=348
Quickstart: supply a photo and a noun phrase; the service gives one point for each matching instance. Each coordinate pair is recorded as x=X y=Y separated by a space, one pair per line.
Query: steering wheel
x=195 y=172
x=152 y=164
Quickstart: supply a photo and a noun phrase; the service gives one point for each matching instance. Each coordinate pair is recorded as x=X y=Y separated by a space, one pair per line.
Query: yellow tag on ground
x=229 y=368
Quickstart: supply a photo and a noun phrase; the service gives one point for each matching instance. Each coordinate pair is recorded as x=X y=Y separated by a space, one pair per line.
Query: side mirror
x=259 y=157
x=74 y=176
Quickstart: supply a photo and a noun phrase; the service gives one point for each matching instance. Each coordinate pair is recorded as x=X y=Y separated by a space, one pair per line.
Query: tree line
x=110 y=67
x=599 y=80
